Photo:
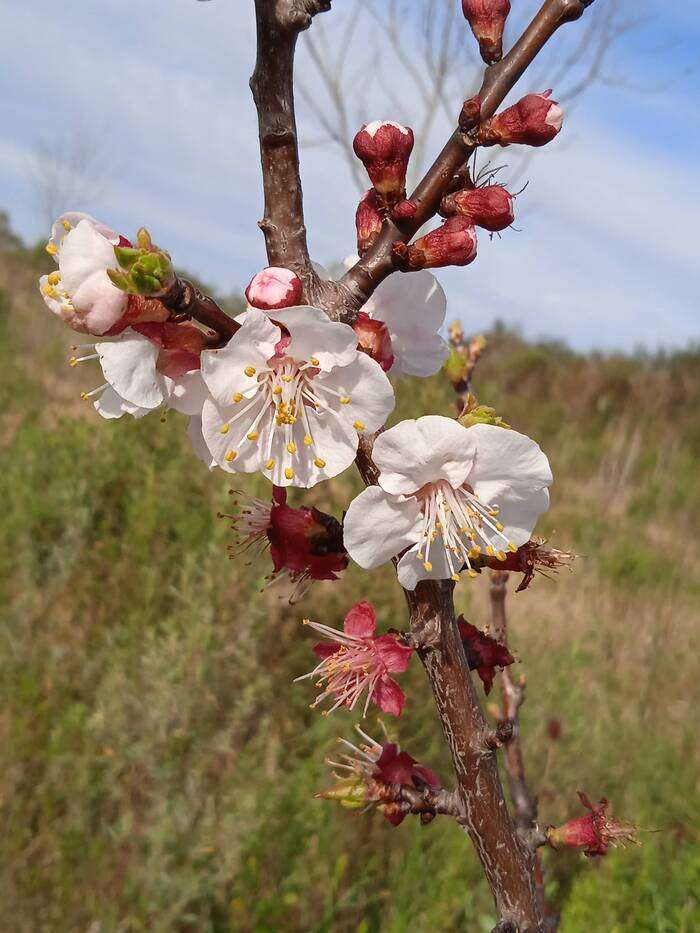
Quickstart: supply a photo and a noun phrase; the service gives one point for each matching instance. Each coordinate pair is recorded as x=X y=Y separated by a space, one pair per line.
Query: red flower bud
x=533 y=121
x=594 y=833
x=404 y=210
x=484 y=654
x=274 y=288
x=487 y=19
x=490 y=207
x=368 y=220
x=373 y=337
x=470 y=113
x=384 y=149
x=452 y=244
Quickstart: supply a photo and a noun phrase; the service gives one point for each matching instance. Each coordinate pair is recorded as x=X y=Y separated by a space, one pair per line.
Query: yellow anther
x=292 y=447
x=72 y=361
x=359 y=426
x=499 y=526
x=474 y=552
x=49 y=291
x=224 y=429
x=237 y=397
x=472 y=573
x=249 y=370
x=501 y=555
x=455 y=577
x=84 y=396
x=345 y=399
x=270 y=464
x=277 y=390
x=51 y=249
x=427 y=566
x=66 y=225
x=230 y=456
x=289 y=473
x=54 y=278
x=314 y=361
x=253 y=436
x=490 y=551
x=287 y=378
x=511 y=547
x=319 y=463
x=308 y=440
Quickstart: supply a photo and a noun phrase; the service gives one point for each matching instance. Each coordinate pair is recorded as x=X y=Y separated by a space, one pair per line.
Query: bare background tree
x=415 y=60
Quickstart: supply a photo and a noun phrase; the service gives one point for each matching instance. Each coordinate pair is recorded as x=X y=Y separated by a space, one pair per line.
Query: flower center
x=459 y=523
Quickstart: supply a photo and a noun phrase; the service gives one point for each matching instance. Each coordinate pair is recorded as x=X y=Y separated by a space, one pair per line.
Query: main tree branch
x=499 y=79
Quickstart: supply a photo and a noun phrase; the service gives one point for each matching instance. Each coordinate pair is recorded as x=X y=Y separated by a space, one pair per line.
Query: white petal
x=409 y=303
x=249 y=454
x=59 y=232
x=83 y=260
x=129 y=366
x=315 y=335
x=188 y=393
x=414 y=453
x=366 y=385
x=199 y=445
x=224 y=371
x=418 y=358
x=111 y=405
x=411 y=569
x=378 y=526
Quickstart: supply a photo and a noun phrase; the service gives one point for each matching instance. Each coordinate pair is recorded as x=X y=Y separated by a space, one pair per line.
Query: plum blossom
x=150 y=366
x=594 y=833
x=80 y=292
x=413 y=310
x=356 y=661
x=305 y=544
x=446 y=495
x=291 y=398
x=373 y=774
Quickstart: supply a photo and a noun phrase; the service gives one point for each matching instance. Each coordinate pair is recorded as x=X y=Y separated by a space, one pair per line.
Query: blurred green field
x=158 y=765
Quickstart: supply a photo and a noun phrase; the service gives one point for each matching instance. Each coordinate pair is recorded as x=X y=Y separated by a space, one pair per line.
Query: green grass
x=158 y=765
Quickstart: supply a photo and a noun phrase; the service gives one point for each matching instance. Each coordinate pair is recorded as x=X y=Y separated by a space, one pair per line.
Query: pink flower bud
x=533 y=121
x=368 y=221
x=490 y=207
x=384 y=149
x=274 y=288
x=373 y=336
x=452 y=244
x=594 y=833
x=487 y=19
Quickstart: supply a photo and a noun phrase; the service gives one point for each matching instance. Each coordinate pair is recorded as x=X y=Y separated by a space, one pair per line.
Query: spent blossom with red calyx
x=384 y=148
x=484 y=654
x=490 y=207
x=487 y=19
x=305 y=544
x=594 y=833
x=274 y=288
x=369 y=218
x=356 y=662
x=452 y=244
x=532 y=557
x=374 y=774
x=534 y=121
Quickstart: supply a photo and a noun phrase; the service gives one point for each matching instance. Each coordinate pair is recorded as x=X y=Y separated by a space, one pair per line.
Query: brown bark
x=184 y=299
x=508 y=861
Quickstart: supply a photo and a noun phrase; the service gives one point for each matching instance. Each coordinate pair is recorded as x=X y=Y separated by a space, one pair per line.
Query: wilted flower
x=356 y=662
x=291 y=398
x=533 y=121
x=374 y=773
x=305 y=544
x=487 y=19
x=594 y=833
x=484 y=654
x=384 y=148
x=490 y=207
x=149 y=366
x=530 y=558
x=452 y=244
x=274 y=288
x=447 y=494
x=368 y=220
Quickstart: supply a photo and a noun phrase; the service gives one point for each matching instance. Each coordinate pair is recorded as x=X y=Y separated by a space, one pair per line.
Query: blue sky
x=607 y=253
